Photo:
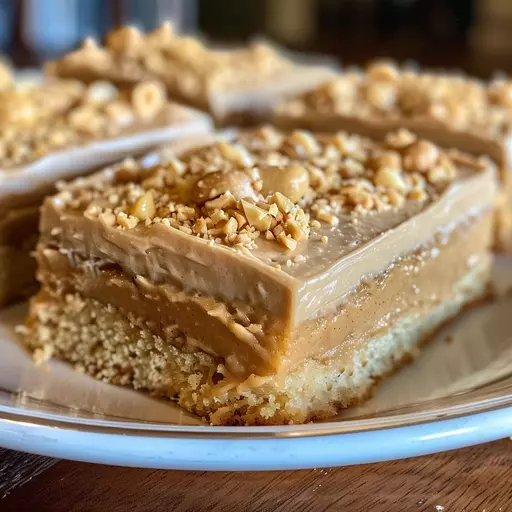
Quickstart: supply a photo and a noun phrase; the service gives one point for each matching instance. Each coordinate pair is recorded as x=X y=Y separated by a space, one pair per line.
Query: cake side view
x=271 y=279
x=62 y=129
x=451 y=110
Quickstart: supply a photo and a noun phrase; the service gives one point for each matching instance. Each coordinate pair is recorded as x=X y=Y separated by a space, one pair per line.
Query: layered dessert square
x=451 y=110
x=62 y=129
x=236 y=86
x=271 y=279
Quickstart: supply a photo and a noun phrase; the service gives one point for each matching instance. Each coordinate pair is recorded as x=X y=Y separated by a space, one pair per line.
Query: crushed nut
x=217 y=183
x=301 y=144
x=101 y=92
x=57 y=114
x=282 y=202
x=144 y=207
x=288 y=242
x=291 y=181
x=148 y=98
x=256 y=216
x=391 y=179
x=421 y=156
x=126 y=40
x=400 y=139
x=126 y=221
x=383 y=71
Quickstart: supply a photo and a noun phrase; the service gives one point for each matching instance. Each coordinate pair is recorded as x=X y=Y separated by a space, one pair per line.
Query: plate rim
x=251 y=454
x=371 y=423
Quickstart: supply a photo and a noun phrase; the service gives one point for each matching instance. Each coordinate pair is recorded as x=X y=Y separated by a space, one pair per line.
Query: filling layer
x=248 y=342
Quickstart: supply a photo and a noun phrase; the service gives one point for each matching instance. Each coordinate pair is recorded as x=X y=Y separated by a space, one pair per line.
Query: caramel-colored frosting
x=384 y=91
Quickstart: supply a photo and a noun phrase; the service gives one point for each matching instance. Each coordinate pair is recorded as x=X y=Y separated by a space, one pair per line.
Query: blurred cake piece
x=63 y=129
x=238 y=86
x=451 y=110
x=271 y=279
x=6 y=76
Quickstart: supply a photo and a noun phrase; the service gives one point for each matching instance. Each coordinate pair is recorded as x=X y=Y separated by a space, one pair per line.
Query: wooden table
x=471 y=479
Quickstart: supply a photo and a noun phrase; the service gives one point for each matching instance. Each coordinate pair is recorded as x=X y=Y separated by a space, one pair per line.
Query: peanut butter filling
x=411 y=286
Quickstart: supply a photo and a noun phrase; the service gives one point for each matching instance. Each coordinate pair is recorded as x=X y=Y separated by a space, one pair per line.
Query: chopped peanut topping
x=40 y=119
x=144 y=207
x=386 y=91
x=232 y=193
x=181 y=63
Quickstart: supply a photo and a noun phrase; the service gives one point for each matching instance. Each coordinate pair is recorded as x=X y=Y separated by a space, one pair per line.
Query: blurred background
x=472 y=35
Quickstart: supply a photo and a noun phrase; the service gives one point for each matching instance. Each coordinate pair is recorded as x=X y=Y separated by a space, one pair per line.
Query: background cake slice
x=451 y=110
x=236 y=86
x=62 y=129
x=271 y=279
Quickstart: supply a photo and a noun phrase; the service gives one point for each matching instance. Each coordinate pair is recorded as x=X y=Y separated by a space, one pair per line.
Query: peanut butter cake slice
x=270 y=279
x=452 y=111
x=62 y=129
x=238 y=86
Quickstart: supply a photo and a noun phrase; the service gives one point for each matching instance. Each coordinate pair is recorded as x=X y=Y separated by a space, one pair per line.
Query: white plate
x=457 y=393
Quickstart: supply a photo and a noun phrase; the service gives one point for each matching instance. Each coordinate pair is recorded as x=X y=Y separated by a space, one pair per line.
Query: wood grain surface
x=472 y=479
x=16 y=469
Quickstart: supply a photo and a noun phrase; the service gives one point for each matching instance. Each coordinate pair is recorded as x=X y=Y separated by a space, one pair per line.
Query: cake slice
x=63 y=129
x=271 y=279
x=239 y=86
x=450 y=110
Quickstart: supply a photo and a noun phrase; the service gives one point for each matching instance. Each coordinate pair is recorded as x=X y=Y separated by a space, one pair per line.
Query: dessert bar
x=270 y=279
x=239 y=86
x=62 y=129
x=450 y=110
